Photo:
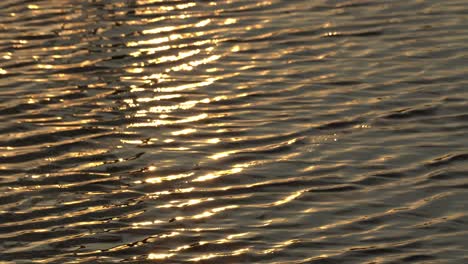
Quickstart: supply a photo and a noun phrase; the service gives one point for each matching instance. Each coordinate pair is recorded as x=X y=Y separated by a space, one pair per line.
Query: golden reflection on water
x=164 y=54
x=154 y=180
x=289 y=198
x=218 y=174
x=193 y=92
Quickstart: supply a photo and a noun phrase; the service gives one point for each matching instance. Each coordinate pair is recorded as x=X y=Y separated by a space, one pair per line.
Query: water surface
x=233 y=131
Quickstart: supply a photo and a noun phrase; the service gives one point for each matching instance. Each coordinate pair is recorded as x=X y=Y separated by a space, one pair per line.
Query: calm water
x=233 y=131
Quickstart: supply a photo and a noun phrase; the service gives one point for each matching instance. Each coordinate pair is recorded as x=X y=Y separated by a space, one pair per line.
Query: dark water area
x=233 y=131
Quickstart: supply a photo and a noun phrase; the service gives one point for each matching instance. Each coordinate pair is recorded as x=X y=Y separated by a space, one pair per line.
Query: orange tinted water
x=282 y=131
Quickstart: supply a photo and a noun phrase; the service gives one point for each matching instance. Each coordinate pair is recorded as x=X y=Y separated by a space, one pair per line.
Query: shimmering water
x=233 y=131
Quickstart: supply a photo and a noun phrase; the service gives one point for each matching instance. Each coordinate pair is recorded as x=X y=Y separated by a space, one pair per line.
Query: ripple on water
x=240 y=131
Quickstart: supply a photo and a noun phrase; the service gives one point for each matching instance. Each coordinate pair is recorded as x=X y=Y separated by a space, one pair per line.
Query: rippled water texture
x=233 y=131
